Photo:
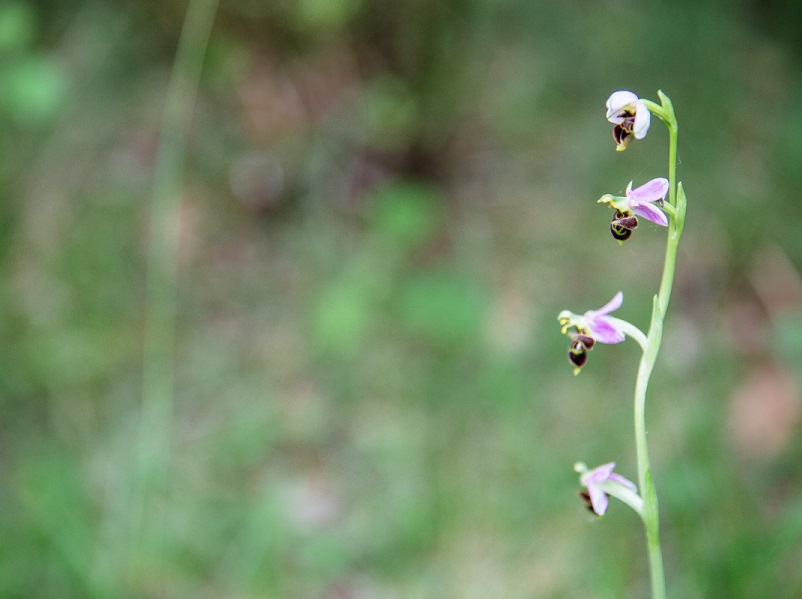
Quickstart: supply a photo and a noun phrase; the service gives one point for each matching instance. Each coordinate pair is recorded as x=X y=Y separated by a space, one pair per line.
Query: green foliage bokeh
x=385 y=205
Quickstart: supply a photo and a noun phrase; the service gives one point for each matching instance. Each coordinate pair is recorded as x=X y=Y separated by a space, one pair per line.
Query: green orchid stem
x=632 y=331
x=650 y=514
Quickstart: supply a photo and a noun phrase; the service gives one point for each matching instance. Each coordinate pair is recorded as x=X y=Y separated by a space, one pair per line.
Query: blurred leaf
x=406 y=213
x=57 y=511
x=73 y=356
x=323 y=554
x=341 y=316
x=502 y=385
x=17 y=26
x=226 y=63
x=788 y=346
x=389 y=112
x=442 y=307
x=325 y=14
x=33 y=90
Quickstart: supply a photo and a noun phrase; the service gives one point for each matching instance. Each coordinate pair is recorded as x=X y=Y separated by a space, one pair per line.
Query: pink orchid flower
x=592 y=326
x=601 y=481
x=637 y=202
x=641 y=198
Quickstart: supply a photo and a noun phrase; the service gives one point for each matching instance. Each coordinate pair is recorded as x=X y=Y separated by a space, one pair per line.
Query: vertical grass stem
x=154 y=435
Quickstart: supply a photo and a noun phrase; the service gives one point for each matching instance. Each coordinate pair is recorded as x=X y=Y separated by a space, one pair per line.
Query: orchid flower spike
x=601 y=482
x=630 y=115
x=637 y=202
x=593 y=326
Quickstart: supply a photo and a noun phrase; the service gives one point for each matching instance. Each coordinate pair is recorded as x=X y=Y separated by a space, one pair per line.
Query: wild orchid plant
x=661 y=201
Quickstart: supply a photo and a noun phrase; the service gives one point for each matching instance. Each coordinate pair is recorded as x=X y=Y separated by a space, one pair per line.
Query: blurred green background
x=385 y=206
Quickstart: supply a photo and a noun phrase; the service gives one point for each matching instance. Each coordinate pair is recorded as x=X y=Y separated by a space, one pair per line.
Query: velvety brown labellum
x=622 y=225
x=586 y=340
x=577 y=353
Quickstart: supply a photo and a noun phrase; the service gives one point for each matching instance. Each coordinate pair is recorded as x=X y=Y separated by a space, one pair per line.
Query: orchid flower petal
x=651 y=191
x=598 y=474
x=605 y=330
x=651 y=213
x=613 y=304
x=598 y=499
x=601 y=482
x=617 y=102
x=624 y=482
x=643 y=118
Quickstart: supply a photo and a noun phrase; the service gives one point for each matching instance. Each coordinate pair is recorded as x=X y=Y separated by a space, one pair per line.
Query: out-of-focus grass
x=385 y=208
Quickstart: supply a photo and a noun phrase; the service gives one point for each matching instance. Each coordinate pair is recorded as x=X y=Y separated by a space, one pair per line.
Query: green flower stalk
x=663 y=202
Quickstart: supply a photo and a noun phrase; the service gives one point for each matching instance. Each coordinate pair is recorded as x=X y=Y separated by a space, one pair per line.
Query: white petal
x=620 y=100
x=643 y=118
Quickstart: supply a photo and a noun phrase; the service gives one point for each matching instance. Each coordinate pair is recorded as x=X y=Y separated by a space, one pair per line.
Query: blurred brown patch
x=766 y=409
x=765 y=412
x=776 y=282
